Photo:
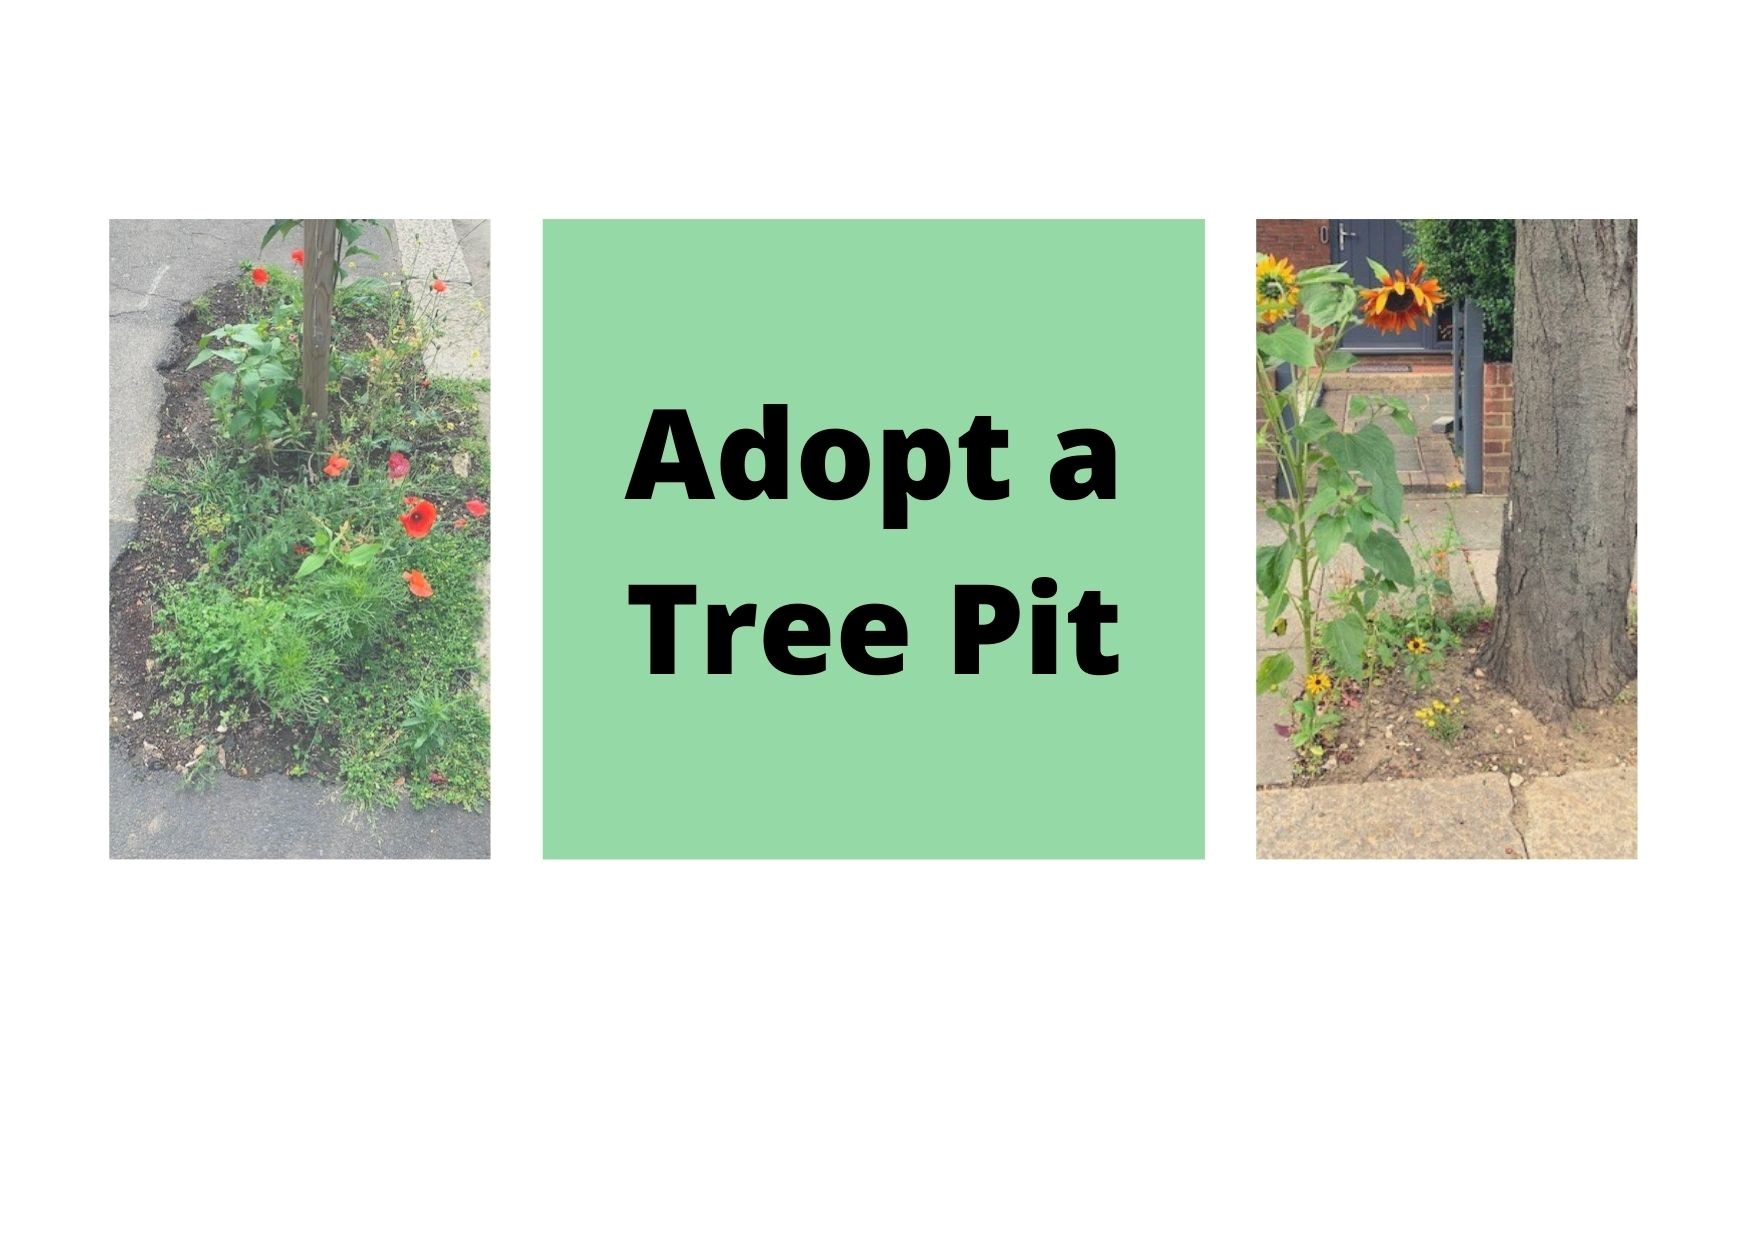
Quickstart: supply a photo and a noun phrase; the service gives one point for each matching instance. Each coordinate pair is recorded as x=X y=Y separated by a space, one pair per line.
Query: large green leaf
x=1328 y=304
x=1328 y=534
x=1271 y=567
x=1320 y=275
x=311 y=563
x=1384 y=553
x=1287 y=343
x=1375 y=461
x=1316 y=425
x=1273 y=671
x=1345 y=639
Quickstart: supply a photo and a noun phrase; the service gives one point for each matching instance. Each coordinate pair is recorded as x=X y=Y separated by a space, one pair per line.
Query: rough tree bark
x=1560 y=635
x=321 y=271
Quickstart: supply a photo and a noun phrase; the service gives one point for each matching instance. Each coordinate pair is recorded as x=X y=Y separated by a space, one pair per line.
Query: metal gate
x=1467 y=370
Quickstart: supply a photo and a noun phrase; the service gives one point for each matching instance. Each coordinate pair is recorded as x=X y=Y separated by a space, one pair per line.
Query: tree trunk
x=321 y=271
x=1560 y=636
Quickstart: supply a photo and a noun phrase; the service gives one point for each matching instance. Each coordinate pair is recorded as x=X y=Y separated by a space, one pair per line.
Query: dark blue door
x=1353 y=242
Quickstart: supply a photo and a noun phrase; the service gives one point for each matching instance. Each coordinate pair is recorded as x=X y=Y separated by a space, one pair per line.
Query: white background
x=512 y=1048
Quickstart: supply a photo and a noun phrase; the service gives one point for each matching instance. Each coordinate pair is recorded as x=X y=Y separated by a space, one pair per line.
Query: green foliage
x=353 y=606
x=1343 y=490
x=223 y=648
x=256 y=402
x=1473 y=259
x=347 y=233
x=1415 y=632
x=299 y=608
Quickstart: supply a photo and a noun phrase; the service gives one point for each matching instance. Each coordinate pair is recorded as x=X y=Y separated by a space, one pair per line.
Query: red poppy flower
x=425 y=382
x=417 y=584
x=297 y=257
x=459 y=523
x=476 y=506
x=420 y=518
x=336 y=466
x=398 y=465
x=409 y=500
x=259 y=275
x=437 y=777
x=300 y=549
x=437 y=286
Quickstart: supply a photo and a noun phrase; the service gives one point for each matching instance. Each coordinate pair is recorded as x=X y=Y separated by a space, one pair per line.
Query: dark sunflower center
x=1398 y=302
x=1272 y=287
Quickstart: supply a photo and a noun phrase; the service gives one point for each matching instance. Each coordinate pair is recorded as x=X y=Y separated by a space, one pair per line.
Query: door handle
x=1342 y=235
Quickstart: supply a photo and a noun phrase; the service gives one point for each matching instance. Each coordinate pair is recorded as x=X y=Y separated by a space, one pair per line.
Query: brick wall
x=1496 y=390
x=1303 y=241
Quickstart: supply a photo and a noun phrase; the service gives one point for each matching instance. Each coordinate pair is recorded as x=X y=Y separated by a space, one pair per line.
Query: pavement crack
x=1518 y=812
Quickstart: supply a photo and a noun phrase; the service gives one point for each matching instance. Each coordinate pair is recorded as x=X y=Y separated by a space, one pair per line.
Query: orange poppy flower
x=419 y=519
x=417 y=584
x=459 y=523
x=297 y=257
x=437 y=286
x=259 y=275
x=476 y=506
x=1402 y=303
x=336 y=466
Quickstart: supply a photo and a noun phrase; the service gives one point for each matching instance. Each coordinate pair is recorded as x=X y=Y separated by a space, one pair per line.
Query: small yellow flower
x=1415 y=645
x=1318 y=683
x=1438 y=707
x=1454 y=485
x=1277 y=288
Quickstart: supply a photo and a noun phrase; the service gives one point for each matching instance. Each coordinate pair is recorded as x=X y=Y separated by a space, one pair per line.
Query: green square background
x=1045 y=326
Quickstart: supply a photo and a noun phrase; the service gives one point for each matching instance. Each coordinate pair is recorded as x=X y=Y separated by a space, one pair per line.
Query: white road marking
x=156 y=281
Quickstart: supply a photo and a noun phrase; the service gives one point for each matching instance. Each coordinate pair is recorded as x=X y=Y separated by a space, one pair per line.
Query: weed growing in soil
x=1443 y=719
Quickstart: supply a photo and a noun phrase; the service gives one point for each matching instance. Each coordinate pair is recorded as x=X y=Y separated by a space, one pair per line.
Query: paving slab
x=1589 y=815
x=1468 y=816
x=1480 y=521
x=1484 y=566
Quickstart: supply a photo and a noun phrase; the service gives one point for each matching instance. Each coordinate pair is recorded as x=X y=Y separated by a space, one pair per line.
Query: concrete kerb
x=1469 y=816
x=1582 y=815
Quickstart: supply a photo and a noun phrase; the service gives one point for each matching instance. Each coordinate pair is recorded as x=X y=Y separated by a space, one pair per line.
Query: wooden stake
x=321 y=273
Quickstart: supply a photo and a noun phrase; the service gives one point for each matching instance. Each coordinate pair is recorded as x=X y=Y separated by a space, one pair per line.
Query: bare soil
x=1380 y=739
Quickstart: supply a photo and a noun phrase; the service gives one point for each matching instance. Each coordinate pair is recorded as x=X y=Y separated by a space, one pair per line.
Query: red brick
x=1303 y=241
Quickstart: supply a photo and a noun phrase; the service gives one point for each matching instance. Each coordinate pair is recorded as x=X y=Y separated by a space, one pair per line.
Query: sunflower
x=1277 y=288
x=1403 y=302
x=1415 y=645
x=1317 y=684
